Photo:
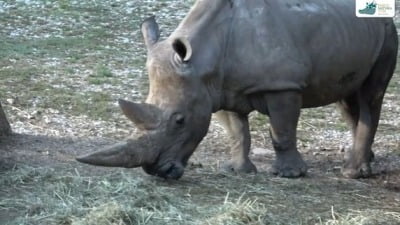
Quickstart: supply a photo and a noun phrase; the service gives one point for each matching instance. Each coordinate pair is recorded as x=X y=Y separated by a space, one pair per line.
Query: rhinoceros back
x=317 y=47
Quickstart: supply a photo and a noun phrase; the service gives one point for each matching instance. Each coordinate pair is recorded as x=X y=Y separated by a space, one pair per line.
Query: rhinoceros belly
x=333 y=89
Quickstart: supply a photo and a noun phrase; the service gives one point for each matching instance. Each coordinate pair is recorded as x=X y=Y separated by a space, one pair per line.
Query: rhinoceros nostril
x=170 y=169
x=174 y=172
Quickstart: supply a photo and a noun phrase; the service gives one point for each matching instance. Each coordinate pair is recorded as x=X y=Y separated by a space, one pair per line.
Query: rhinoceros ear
x=145 y=116
x=183 y=48
x=150 y=31
x=125 y=154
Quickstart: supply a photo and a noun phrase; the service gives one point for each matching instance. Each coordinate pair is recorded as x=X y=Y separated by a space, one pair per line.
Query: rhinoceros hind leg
x=284 y=112
x=363 y=126
x=237 y=127
x=350 y=110
x=364 y=108
x=357 y=160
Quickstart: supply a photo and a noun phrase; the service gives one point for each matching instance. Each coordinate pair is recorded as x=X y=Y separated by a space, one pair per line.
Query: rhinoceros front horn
x=145 y=116
x=128 y=154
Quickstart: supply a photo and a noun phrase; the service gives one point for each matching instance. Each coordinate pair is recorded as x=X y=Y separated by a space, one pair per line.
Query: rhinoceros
x=232 y=57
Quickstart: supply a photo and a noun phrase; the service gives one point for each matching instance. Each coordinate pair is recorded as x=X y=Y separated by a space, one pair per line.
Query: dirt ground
x=63 y=104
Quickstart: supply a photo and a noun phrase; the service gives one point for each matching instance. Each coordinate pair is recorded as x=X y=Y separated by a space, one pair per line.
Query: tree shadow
x=36 y=150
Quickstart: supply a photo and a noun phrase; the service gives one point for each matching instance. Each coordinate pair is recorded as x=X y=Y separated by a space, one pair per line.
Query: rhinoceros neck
x=203 y=15
x=207 y=27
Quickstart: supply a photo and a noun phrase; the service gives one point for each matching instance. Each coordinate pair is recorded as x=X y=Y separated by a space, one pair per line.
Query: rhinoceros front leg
x=284 y=111
x=237 y=127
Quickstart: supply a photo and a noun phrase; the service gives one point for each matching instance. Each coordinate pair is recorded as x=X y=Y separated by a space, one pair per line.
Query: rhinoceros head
x=174 y=118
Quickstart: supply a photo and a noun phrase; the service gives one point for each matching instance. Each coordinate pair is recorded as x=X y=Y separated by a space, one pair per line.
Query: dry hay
x=70 y=196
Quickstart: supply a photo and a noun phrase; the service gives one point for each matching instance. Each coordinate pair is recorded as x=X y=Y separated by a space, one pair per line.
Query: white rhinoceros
x=232 y=57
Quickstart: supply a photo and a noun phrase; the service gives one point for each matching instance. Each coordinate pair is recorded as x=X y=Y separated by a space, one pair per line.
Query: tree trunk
x=5 y=128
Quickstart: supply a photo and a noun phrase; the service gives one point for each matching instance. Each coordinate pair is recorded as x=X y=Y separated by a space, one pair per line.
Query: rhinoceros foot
x=239 y=166
x=289 y=165
x=354 y=172
x=357 y=165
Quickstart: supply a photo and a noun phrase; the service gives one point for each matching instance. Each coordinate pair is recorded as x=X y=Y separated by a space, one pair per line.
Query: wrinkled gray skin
x=276 y=57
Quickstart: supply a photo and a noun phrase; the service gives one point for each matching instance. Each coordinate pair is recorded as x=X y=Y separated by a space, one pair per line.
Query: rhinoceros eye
x=176 y=122
x=180 y=119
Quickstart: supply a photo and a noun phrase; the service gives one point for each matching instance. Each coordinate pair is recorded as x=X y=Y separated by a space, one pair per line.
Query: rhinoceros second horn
x=144 y=116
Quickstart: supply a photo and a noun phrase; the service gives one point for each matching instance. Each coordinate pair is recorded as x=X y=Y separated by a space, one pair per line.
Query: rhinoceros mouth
x=169 y=170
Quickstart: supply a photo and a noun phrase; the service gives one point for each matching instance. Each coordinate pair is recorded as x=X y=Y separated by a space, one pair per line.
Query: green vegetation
x=101 y=75
x=42 y=94
x=102 y=71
